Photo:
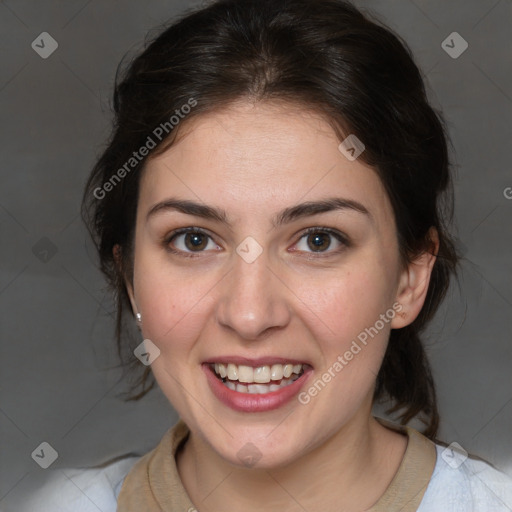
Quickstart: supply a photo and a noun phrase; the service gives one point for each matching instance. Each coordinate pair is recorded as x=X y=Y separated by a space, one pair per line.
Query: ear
x=413 y=283
x=117 y=253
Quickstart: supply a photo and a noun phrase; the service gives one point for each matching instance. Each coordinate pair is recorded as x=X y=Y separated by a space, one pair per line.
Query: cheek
x=348 y=299
x=174 y=306
x=347 y=308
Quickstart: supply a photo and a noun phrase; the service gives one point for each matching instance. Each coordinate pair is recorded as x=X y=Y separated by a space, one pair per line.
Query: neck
x=367 y=456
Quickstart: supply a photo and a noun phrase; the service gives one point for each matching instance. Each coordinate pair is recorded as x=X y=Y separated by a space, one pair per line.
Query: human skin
x=253 y=160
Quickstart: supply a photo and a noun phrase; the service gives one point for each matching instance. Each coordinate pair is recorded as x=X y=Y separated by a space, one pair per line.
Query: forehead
x=263 y=138
x=253 y=157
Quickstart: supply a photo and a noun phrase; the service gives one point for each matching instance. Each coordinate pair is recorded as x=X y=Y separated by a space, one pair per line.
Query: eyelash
x=317 y=229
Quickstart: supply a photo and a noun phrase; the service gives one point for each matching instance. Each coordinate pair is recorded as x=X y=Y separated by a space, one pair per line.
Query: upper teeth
x=260 y=374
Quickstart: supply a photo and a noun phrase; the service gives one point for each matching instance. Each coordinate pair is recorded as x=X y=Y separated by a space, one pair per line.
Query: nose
x=253 y=301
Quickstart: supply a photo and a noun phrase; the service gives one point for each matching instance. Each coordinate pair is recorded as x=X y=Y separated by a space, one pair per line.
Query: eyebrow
x=284 y=217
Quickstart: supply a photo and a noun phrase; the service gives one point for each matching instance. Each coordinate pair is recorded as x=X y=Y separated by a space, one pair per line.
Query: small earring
x=139 y=317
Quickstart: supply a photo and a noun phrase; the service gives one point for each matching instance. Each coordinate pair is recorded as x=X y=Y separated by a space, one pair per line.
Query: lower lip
x=248 y=402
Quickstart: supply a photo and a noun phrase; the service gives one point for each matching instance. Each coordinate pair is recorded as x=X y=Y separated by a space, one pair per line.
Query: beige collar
x=406 y=490
x=153 y=483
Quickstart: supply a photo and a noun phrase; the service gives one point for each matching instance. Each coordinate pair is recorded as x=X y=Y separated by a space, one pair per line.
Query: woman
x=270 y=210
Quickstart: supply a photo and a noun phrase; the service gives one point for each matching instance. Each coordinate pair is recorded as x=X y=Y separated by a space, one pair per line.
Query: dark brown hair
x=325 y=55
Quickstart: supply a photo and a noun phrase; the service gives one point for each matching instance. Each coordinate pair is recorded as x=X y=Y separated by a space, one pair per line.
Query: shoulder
x=84 y=490
x=460 y=484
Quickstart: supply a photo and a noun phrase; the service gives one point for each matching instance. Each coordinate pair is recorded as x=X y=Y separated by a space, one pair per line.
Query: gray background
x=58 y=378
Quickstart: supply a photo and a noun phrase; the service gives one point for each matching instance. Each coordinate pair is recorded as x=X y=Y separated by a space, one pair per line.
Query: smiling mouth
x=257 y=380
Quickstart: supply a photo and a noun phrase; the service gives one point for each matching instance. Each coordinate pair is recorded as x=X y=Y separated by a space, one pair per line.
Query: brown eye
x=322 y=240
x=196 y=241
x=190 y=240
x=318 y=241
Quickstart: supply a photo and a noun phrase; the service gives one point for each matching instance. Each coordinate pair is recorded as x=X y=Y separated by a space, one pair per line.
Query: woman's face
x=255 y=290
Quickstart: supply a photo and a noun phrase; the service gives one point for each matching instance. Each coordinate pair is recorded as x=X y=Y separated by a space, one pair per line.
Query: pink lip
x=246 y=402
